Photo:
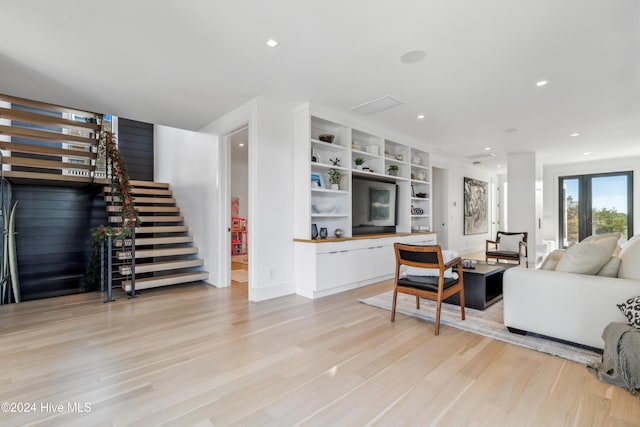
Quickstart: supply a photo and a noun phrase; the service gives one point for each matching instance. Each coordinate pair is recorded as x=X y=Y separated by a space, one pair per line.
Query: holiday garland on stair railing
x=121 y=189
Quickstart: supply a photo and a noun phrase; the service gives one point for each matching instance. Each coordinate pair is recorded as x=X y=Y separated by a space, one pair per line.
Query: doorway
x=239 y=206
x=439 y=205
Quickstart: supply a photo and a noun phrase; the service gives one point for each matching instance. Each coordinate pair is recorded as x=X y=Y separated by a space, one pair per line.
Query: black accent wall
x=135 y=142
x=53 y=226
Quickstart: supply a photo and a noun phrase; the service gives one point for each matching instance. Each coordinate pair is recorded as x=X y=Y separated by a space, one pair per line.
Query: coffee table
x=482 y=285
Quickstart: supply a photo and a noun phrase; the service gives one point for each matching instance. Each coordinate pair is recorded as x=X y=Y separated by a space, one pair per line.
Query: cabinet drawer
x=346 y=267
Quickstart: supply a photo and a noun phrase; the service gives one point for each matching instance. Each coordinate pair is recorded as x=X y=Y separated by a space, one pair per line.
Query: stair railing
x=121 y=189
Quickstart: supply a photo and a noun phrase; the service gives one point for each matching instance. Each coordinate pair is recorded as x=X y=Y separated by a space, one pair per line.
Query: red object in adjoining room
x=238 y=236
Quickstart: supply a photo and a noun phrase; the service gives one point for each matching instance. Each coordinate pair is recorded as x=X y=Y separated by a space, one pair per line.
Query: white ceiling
x=185 y=63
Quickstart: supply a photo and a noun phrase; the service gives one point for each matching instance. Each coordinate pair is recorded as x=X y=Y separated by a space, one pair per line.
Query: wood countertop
x=361 y=237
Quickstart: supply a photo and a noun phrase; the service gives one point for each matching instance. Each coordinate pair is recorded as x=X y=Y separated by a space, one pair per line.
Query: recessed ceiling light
x=241 y=145
x=420 y=116
x=575 y=134
x=542 y=83
x=586 y=153
x=413 y=56
x=272 y=43
x=487 y=148
x=499 y=166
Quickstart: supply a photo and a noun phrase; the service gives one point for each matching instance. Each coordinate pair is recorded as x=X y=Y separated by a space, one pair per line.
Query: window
x=595 y=204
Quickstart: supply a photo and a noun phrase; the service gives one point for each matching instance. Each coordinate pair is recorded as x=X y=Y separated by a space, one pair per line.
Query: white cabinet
x=328 y=267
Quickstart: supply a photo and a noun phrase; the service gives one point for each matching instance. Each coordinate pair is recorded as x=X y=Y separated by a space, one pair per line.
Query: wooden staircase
x=164 y=250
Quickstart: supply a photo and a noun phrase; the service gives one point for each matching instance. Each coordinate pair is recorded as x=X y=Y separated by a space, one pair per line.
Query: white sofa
x=570 y=306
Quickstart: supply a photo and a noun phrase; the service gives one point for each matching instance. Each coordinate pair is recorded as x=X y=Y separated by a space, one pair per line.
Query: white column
x=524 y=212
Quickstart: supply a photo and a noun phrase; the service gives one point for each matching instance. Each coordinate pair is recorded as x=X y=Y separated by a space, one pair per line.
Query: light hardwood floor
x=197 y=355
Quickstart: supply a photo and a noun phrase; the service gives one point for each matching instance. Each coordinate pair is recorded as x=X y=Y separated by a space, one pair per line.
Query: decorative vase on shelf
x=335 y=186
x=323 y=232
x=314 y=231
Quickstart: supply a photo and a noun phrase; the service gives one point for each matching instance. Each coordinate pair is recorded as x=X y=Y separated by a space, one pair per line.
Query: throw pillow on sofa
x=551 y=261
x=629 y=243
x=588 y=256
x=610 y=269
x=630 y=260
x=631 y=309
x=617 y=235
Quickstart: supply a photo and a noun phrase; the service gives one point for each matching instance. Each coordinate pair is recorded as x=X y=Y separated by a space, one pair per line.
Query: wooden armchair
x=508 y=246
x=436 y=288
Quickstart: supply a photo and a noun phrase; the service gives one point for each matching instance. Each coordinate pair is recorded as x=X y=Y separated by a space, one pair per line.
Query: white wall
x=525 y=198
x=270 y=207
x=551 y=191
x=183 y=159
x=456 y=171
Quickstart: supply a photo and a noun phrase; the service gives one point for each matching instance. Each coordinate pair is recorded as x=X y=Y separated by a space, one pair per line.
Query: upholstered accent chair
x=510 y=246
x=437 y=287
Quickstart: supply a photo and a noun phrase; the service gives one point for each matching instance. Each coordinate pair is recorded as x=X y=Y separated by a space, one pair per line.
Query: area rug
x=487 y=323
x=240 y=275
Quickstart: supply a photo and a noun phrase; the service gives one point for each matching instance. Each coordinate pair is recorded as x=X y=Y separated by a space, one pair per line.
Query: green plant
x=359 y=161
x=392 y=169
x=334 y=176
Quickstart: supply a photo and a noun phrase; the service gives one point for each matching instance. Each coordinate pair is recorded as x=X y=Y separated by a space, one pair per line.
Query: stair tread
x=148 y=253
x=118 y=208
x=170 y=279
x=145 y=191
x=159 y=240
x=159 y=200
x=151 y=219
x=162 y=229
x=161 y=266
x=152 y=184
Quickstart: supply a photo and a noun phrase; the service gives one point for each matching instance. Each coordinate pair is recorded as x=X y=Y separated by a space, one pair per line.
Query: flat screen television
x=374 y=206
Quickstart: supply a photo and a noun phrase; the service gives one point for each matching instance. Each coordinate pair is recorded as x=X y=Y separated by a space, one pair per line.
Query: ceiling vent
x=480 y=156
x=375 y=106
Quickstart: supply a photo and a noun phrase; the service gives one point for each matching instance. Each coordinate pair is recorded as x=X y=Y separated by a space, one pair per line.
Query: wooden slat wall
x=53 y=226
x=135 y=142
x=38 y=139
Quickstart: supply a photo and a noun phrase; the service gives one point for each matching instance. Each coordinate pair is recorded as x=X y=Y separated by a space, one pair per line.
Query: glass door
x=595 y=204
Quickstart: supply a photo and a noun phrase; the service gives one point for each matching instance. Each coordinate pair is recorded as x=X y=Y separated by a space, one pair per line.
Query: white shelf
x=417 y=181
x=421 y=216
x=366 y=154
x=328 y=215
x=319 y=143
x=328 y=190
x=394 y=161
x=359 y=172
x=420 y=199
x=413 y=165
x=326 y=166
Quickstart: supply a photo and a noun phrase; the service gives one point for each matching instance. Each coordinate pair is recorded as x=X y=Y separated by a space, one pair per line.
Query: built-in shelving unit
x=331 y=265
x=384 y=160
